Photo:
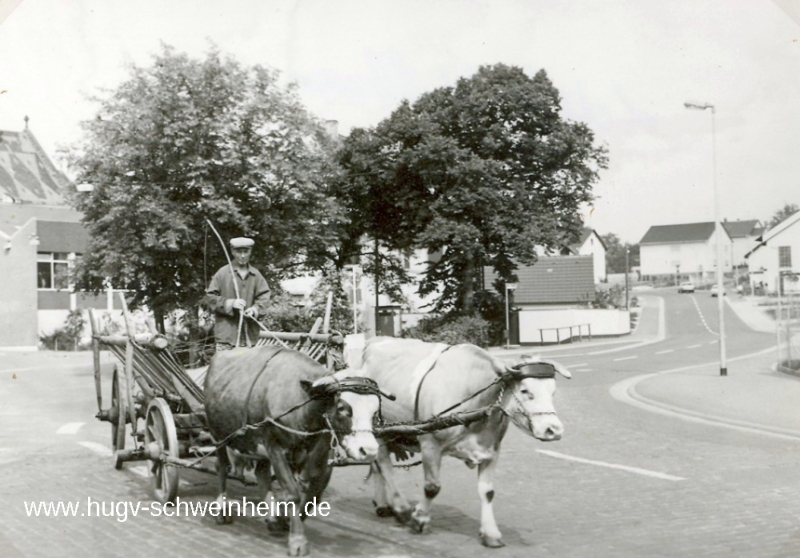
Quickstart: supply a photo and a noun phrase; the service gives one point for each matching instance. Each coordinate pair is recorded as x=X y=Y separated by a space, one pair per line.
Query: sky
x=624 y=67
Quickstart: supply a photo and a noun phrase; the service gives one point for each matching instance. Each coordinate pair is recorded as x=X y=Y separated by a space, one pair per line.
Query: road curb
x=625 y=392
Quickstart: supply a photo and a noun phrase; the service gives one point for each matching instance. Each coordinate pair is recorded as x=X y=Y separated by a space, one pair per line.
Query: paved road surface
x=622 y=483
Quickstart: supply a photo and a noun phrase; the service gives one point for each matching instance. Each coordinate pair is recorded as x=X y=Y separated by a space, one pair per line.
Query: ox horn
x=532 y=360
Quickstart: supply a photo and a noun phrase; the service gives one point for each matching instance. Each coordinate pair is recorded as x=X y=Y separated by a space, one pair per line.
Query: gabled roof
x=553 y=280
x=586 y=232
x=742 y=229
x=775 y=231
x=26 y=172
x=675 y=234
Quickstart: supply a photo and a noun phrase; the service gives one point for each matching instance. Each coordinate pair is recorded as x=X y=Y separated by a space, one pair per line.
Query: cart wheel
x=160 y=437
x=117 y=426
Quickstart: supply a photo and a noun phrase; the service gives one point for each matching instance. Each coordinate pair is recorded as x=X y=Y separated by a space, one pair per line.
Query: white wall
x=763 y=263
x=692 y=257
x=592 y=246
x=603 y=322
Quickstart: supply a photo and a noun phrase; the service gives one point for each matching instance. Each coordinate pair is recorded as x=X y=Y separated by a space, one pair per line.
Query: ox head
x=533 y=384
x=355 y=403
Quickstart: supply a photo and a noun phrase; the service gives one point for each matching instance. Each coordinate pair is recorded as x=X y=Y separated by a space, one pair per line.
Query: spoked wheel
x=118 y=421
x=161 y=438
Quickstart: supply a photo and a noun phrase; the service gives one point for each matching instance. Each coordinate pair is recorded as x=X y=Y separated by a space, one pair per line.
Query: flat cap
x=242 y=242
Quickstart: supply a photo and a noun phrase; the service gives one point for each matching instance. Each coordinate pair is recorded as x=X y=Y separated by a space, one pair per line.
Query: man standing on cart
x=238 y=295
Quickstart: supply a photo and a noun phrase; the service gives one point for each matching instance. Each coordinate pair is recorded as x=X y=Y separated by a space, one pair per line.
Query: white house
x=590 y=244
x=775 y=257
x=686 y=251
x=743 y=235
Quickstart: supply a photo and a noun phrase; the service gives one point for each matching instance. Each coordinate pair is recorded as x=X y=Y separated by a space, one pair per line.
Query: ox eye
x=526 y=393
x=343 y=409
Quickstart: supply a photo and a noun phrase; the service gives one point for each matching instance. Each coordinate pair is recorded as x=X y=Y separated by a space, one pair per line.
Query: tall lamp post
x=723 y=369
x=509 y=287
x=627 y=272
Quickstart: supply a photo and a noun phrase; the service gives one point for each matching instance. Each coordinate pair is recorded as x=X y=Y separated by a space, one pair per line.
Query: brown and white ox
x=247 y=386
x=430 y=379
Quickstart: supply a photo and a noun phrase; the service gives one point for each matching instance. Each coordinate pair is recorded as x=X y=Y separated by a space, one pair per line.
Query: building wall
x=763 y=263
x=537 y=326
x=592 y=246
x=693 y=258
x=18 y=301
x=742 y=246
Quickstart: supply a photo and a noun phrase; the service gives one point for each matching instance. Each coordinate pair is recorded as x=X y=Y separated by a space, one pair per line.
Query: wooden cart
x=157 y=405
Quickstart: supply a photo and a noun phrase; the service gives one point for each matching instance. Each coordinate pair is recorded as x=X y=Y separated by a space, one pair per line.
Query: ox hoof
x=298 y=545
x=403 y=517
x=418 y=526
x=492 y=542
x=384 y=511
x=224 y=519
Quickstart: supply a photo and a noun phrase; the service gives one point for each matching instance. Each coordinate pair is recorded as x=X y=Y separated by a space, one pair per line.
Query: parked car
x=686 y=287
x=715 y=290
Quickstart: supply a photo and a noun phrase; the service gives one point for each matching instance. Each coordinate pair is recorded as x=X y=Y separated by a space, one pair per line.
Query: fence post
x=590 y=331
x=541 y=335
x=558 y=336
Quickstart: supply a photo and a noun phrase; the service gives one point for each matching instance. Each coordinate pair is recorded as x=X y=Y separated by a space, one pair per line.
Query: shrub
x=65 y=338
x=451 y=330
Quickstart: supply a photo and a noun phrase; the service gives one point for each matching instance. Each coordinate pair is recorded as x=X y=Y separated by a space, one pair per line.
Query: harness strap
x=433 y=358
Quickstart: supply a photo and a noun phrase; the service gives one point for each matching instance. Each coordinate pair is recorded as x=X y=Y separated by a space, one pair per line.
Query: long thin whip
x=233 y=276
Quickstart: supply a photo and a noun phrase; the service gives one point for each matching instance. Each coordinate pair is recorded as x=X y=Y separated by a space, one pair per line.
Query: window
x=784 y=256
x=53 y=270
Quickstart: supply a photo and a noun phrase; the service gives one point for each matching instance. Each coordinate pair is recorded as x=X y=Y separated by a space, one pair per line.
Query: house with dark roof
x=41 y=238
x=685 y=251
x=590 y=244
x=743 y=235
x=773 y=260
x=552 y=302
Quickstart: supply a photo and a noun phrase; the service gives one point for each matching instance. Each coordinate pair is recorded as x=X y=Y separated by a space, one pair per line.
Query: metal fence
x=787 y=320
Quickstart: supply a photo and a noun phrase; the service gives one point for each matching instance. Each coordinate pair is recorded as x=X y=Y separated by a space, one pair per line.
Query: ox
x=265 y=385
x=434 y=379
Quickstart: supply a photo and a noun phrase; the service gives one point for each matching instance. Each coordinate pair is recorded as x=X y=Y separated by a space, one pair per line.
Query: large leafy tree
x=183 y=141
x=483 y=171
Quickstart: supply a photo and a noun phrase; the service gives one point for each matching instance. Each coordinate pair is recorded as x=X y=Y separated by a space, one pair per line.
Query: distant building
x=590 y=244
x=685 y=251
x=41 y=240
x=774 y=260
x=743 y=235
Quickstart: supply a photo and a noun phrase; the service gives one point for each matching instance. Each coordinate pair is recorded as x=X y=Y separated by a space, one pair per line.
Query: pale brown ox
x=429 y=379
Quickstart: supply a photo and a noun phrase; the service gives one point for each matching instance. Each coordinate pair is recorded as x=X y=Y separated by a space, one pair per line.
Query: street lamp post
x=627 y=272
x=509 y=287
x=718 y=232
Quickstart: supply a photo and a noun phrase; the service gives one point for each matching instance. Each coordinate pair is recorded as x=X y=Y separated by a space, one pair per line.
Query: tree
x=787 y=210
x=182 y=141
x=616 y=252
x=484 y=171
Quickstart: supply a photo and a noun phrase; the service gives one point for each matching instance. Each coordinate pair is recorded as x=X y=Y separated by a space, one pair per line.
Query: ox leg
x=276 y=525
x=490 y=533
x=298 y=544
x=431 y=463
x=223 y=463
x=388 y=498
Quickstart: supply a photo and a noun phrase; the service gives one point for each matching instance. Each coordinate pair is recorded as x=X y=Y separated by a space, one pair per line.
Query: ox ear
x=307 y=386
